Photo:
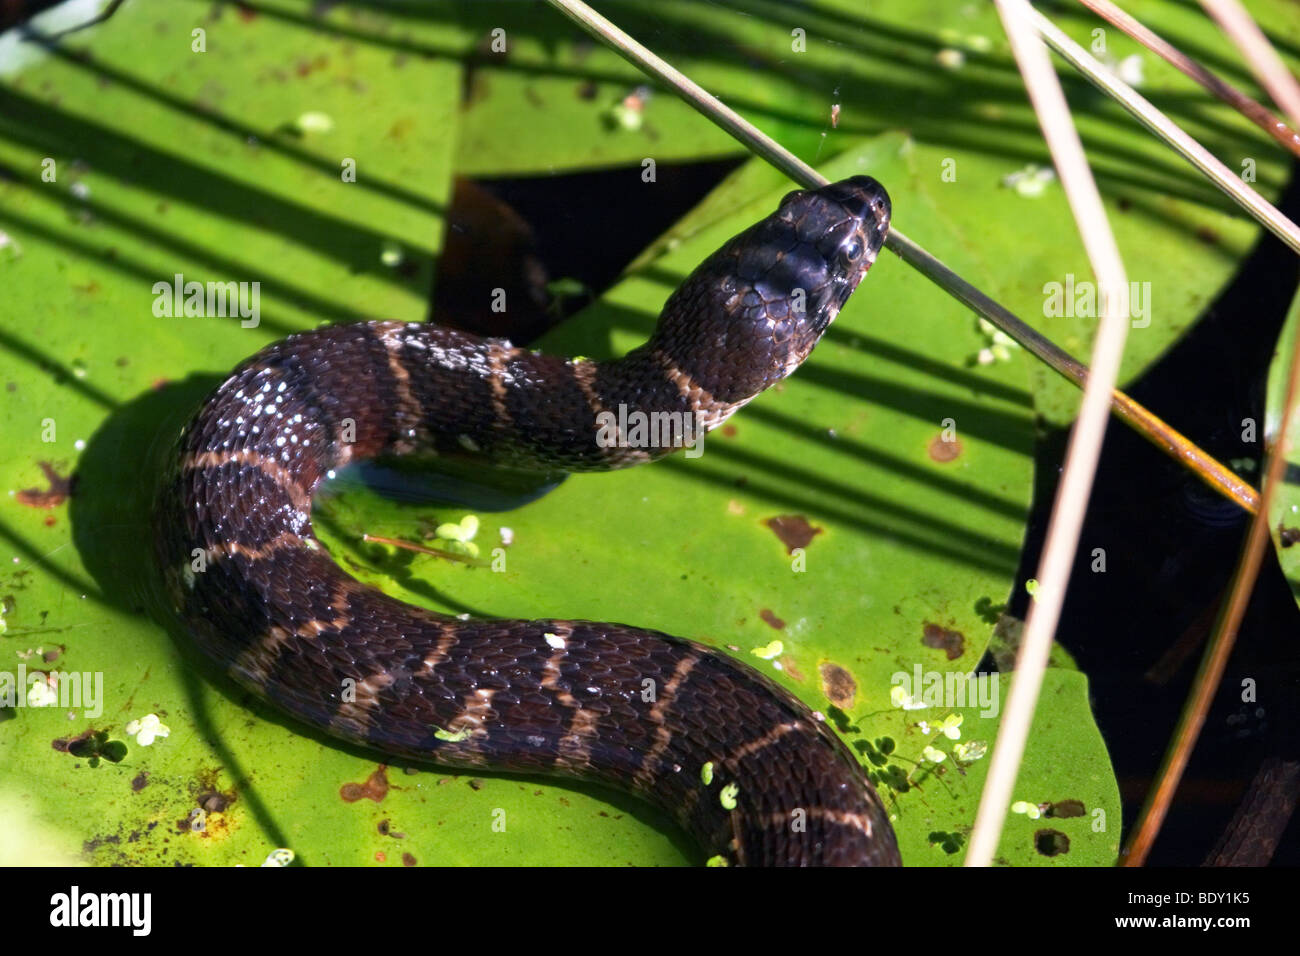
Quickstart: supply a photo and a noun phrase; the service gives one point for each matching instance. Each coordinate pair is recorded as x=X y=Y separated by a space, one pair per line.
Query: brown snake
x=743 y=765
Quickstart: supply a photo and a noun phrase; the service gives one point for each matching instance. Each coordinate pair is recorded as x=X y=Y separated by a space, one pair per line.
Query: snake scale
x=745 y=767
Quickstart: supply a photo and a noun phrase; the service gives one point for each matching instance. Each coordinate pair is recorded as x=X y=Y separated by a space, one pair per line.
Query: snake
x=744 y=766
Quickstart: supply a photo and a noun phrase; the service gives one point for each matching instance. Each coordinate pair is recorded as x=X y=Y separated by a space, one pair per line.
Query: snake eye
x=850 y=252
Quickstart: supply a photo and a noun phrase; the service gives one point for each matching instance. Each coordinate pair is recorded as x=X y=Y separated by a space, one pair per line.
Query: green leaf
x=1064 y=777
x=1284 y=510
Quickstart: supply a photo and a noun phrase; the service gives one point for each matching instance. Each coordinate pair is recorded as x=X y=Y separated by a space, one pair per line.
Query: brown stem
x=1254 y=111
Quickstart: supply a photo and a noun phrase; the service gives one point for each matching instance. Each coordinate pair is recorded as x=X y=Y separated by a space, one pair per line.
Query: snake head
x=752 y=312
x=796 y=268
x=836 y=232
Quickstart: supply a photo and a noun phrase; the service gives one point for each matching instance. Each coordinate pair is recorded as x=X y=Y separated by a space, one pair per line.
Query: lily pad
x=867 y=516
x=1065 y=811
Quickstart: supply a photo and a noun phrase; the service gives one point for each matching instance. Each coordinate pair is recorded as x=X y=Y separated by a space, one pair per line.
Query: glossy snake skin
x=550 y=696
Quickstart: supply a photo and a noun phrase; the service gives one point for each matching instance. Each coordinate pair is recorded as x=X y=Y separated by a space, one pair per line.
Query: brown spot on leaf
x=944 y=451
x=383 y=828
x=1051 y=842
x=140 y=781
x=307 y=67
x=94 y=843
x=408 y=860
x=793 y=530
x=92 y=746
x=1288 y=536
x=375 y=788
x=772 y=619
x=66 y=744
x=838 y=685
x=476 y=784
x=952 y=643
x=1064 y=808
x=58 y=492
x=788 y=665
x=213 y=802
x=401 y=128
x=728 y=431
x=208 y=794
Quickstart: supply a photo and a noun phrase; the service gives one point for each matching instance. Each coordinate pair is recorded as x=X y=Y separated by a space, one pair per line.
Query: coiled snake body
x=549 y=696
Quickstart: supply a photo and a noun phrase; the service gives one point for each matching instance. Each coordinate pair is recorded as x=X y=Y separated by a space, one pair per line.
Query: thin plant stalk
x=1084 y=451
x=1263 y=60
x=1157 y=122
x=1252 y=109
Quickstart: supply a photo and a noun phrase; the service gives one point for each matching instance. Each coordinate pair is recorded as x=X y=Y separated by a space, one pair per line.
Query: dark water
x=1171 y=546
